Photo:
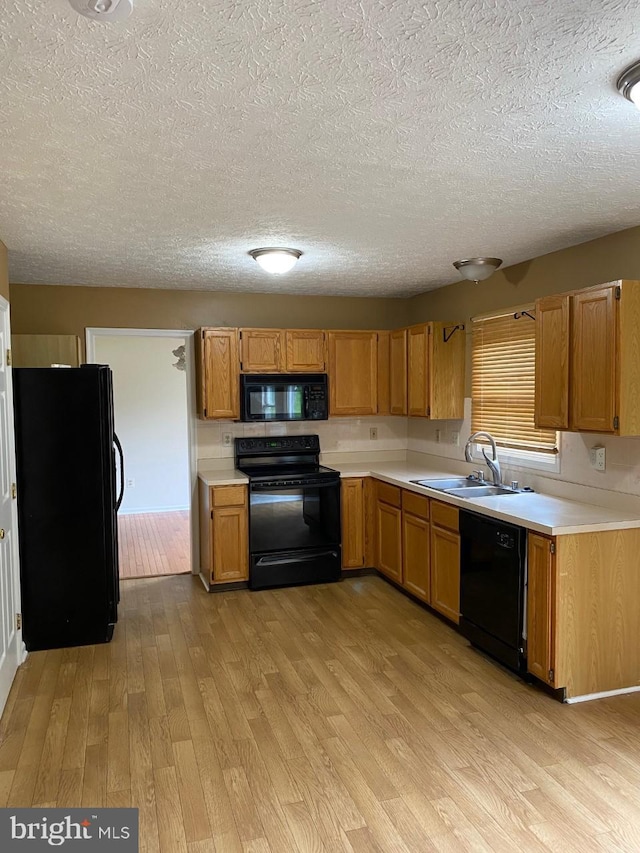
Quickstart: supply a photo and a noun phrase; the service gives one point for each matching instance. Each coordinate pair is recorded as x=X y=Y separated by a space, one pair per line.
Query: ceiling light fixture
x=276 y=260
x=629 y=84
x=108 y=11
x=477 y=269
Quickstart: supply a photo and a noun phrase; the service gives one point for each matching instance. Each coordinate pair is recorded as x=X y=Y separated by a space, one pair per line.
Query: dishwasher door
x=492 y=585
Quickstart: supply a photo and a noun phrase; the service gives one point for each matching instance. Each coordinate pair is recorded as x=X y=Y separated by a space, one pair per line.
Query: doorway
x=152 y=404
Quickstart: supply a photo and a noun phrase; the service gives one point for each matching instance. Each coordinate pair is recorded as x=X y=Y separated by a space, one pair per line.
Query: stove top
x=281 y=458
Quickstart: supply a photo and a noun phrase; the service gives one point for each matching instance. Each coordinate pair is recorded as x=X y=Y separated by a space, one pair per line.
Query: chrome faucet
x=494 y=464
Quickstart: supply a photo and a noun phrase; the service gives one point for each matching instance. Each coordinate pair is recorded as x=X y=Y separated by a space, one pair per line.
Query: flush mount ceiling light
x=629 y=84
x=276 y=260
x=108 y=11
x=477 y=269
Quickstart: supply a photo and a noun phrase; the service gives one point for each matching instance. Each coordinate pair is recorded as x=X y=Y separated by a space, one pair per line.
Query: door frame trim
x=94 y=332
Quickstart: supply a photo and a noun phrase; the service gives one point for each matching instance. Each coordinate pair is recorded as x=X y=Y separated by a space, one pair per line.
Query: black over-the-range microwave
x=284 y=397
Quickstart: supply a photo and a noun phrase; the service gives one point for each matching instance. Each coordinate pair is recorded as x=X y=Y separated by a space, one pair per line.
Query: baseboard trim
x=604 y=694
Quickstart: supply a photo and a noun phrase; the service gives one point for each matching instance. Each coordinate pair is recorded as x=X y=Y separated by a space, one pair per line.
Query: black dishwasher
x=492 y=584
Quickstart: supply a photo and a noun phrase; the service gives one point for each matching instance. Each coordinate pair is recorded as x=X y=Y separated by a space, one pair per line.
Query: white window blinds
x=503 y=379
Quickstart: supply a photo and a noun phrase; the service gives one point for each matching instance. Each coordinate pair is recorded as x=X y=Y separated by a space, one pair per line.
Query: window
x=503 y=383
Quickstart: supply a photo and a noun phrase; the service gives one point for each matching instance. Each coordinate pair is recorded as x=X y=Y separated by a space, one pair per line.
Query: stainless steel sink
x=480 y=491
x=445 y=483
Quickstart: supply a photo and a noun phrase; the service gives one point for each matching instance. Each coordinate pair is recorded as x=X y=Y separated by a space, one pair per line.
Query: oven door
x=293 y=517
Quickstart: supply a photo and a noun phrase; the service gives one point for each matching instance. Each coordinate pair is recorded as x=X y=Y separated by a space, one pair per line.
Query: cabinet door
x=415 y=555
x=552 y=362
x=445 y=572
x=389 y=528
x=418 y=370
x=446 y=362
x=305 y=351
x=353 y=373
x=230 y=542
x=262 y=350
x=540 y=608
x=217 y=366
x=353 y=521
x=398 y=372
x=593 y=359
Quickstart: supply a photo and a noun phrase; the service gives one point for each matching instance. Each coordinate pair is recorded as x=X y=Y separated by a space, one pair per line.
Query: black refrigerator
x=68 y=497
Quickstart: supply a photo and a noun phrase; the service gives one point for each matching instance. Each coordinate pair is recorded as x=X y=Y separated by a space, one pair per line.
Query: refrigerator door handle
x=116 y=441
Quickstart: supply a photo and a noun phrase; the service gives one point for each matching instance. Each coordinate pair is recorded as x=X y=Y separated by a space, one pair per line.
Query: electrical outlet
x=227 y=439
x=597 y=457
x=373 y=433
x=455 y=437
x=438 y=435
x=131 y=483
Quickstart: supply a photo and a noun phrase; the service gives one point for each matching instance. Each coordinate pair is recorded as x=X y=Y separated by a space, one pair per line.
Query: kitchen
x=341 y=715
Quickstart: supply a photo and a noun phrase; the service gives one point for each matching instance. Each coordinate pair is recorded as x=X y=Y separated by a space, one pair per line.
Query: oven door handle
x=297 y=558
x=280 y=487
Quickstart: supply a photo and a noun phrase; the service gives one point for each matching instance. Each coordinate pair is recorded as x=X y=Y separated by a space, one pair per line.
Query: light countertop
x=541 y=513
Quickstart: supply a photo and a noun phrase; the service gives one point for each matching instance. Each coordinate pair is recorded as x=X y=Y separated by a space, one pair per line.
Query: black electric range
x=294 y=511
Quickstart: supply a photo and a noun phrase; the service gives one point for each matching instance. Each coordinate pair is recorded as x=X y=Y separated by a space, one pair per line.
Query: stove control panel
x=278 y=444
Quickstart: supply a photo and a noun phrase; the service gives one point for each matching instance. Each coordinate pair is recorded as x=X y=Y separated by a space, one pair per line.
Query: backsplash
x=618 y=486
x=336 y=435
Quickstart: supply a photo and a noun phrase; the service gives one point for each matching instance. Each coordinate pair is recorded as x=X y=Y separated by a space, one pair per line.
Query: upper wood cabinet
x=217 y=373
x=262 y=350
x=435 y=368
x=552 y=362
x=282 y=351
x=353 y=373
x=588 y=359
x=305 y=351
x=45 y=350
x=398 y=372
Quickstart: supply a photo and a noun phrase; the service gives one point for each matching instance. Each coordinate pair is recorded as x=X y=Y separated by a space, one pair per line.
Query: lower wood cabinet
x=416 y=545
x=224 y=533
x=541 y=587
x=353 y=522
x=445 y=560
x=389 y=531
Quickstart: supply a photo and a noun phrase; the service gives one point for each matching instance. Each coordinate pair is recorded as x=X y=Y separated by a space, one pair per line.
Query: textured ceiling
x=383 y=138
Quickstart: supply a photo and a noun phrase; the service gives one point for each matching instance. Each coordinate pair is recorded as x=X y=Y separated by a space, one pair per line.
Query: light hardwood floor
x=154 y=543
x=325 y=718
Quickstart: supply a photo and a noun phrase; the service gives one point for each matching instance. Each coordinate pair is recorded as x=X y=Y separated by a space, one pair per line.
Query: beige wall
x=4 y=271
x=606 y=259
x=59 y=309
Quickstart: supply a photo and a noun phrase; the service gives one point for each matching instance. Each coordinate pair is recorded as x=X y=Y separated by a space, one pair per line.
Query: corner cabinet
x=217 y=373
x=588 y=359
x=357 y=507
x=435 y=367
x=224 y=533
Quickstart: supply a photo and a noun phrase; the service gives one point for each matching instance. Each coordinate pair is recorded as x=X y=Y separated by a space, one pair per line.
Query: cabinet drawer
x=228 y=495
x=444 y=515
x=415 y=504
x=389 y=494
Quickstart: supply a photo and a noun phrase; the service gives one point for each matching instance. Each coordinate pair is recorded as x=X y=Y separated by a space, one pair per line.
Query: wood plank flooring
x=154 y=543
x=325 y=718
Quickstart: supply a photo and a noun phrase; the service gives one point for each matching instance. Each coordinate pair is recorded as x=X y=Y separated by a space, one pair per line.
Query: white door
x=10 y=636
